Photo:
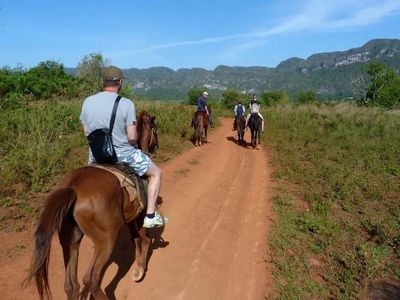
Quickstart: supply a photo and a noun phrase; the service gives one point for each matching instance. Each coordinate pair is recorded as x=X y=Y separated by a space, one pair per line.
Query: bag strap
x=114 y=112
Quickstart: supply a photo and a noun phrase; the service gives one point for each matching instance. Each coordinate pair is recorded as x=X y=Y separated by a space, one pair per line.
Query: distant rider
x=202 y=106
x=255 y=108
x=238 y=111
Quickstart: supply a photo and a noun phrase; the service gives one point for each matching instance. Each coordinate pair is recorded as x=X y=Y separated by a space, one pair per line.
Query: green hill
x=329 y=75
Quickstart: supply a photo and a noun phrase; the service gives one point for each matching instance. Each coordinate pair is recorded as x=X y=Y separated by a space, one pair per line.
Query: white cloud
x=316 y=15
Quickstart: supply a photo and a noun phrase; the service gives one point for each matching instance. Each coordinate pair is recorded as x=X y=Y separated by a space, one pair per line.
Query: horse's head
x=147 y=133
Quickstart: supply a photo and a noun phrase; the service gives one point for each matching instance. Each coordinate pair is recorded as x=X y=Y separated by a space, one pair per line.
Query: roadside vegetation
x=337 y=191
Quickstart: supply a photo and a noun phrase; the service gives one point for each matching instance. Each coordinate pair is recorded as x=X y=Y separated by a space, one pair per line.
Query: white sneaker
x=157 y=221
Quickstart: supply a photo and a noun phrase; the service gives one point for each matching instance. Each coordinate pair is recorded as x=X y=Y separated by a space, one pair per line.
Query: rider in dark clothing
x=202 y=106
x=238 y=111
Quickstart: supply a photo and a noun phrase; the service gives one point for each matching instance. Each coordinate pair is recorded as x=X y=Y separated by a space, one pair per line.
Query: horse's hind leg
x=103 y=233
x=70 y=237
x=103 y=247
x=142 y=243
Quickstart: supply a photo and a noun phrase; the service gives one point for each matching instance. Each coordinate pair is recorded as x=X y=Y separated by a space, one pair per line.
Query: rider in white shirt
x=255 y=108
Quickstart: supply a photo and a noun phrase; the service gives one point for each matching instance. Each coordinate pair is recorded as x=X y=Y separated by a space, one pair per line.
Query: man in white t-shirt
x=255 y=108
x=96 y=114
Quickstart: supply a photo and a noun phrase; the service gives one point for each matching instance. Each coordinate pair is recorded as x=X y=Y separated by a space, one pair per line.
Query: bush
x=230 y=98
x=44 y=81
x=308 y=96
x=274 y=97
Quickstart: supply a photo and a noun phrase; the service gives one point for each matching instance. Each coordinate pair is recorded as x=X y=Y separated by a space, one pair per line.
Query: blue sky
x=188 y=34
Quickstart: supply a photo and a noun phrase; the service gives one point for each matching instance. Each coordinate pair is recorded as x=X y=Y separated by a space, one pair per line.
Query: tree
x=89 y=70
x=389 y=95
x=307 y=96
x=230 y=98
x=360 y=85
x=271 y=98
x=194 y=94
x=47 y=79
x=379 y=85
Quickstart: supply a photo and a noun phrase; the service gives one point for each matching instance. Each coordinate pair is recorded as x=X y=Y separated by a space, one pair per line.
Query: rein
x=150 y=153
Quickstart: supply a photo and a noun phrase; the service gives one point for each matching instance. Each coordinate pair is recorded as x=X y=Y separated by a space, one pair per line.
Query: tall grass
x=337 y=198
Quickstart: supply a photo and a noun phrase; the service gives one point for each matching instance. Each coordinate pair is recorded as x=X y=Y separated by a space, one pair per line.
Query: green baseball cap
x=112 y=73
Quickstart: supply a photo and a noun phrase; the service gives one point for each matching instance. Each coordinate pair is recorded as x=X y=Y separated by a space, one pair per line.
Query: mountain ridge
x=328 y=74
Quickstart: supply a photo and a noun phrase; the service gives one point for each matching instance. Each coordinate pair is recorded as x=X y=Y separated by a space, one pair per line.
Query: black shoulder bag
x=100 y=141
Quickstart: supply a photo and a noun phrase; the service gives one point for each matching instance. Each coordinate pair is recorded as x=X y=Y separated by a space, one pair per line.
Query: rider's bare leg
x=154 y=176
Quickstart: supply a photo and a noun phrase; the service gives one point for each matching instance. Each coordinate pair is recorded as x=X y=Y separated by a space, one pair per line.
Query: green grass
x=337 y=201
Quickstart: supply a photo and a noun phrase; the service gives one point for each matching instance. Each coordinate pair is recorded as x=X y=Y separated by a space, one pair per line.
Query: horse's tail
x=255 y=122
x=56 y=207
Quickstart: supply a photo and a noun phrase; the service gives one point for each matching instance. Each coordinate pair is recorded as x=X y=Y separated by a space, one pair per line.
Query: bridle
x=153 y=134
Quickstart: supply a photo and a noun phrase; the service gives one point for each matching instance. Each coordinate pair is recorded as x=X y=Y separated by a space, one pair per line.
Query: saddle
x=135 y=186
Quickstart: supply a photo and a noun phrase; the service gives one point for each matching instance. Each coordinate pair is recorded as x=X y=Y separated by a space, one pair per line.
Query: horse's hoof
x=137 y=273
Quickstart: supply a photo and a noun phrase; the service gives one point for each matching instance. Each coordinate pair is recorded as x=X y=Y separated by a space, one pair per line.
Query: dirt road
x=217 y=198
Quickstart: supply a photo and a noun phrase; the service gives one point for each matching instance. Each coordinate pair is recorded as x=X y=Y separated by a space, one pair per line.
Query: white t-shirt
x=255 y=107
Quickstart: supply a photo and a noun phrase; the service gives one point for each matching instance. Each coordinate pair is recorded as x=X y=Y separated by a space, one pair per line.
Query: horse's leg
x=197 y=133
x=142 y=243
x=70 y=237
x=103 y=232
x=103 y=247
x=201 y=134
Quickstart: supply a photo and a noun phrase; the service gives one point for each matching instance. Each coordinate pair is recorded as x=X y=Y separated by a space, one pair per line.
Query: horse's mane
x=143 y=117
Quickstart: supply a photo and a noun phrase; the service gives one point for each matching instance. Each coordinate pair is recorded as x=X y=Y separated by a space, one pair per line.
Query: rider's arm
x=131 y=132
x=85 y=130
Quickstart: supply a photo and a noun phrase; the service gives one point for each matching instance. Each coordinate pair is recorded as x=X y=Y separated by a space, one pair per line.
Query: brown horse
x=89 y=201
x=147 y=132
x=240 y=125
x=200 y=124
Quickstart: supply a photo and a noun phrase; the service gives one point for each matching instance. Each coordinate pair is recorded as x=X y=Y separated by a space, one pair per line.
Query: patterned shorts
x=139 y=161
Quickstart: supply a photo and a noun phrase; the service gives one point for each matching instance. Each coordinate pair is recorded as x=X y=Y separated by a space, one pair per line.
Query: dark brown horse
x=200 y=124
x=89 y=201
x=147 y=132
x=255 y=124
x=240 y=125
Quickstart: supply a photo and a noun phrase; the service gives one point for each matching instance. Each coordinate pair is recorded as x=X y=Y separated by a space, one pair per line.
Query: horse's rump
x=200 y=117
x=240 y=122
x=255 y=121
x=200 y=121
